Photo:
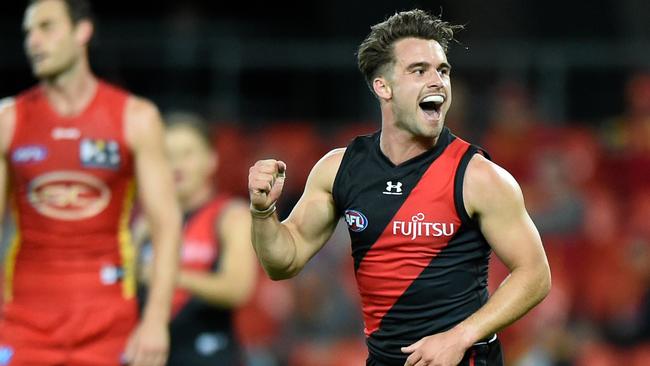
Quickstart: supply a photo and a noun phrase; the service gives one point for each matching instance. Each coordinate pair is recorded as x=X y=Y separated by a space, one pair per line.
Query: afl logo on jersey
x=29 y=154
x=68 y=195
x=357 y=222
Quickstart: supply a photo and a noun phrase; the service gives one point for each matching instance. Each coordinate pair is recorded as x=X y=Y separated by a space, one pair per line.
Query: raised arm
x=144 y=132
x=493 y=195
x=7 y=122
x=284 y=248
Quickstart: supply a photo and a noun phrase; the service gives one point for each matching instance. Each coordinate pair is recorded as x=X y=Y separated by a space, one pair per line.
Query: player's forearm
x=275 y=247
x=217 y=289
x=519 y=292
x=165 y=267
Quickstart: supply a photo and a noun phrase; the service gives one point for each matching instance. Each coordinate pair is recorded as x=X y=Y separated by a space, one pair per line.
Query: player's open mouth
x=431 y=105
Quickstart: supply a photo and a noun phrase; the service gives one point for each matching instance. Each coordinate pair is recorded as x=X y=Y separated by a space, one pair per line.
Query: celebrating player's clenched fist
x=265 y=182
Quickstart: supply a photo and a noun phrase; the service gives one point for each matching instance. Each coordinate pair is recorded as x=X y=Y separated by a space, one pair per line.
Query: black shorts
x=484 y=354
x=204 y=351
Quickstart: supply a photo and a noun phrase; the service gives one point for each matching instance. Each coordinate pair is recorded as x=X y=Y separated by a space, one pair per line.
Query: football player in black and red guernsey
x=424 y=210
x=218 y=268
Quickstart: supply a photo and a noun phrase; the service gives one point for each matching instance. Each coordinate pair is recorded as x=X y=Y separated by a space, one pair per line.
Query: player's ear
x=84 y=31
x=382 y=88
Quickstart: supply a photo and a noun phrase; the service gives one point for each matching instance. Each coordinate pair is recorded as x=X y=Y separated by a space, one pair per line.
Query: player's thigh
x=102 y=340
x=29 y=338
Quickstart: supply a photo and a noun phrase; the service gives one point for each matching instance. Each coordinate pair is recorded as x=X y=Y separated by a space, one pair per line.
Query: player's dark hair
x=78 y=10
x=194 y=122
x=376 y=51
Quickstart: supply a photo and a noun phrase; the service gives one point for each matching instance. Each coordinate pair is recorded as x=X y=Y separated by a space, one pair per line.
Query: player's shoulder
x=331 y=160
x=334 y=156
x=142 y=119
x=484 y=172
x=140 y=108
x=486 y=183
x=324 y=172
x=7 y=106
x=235 y=209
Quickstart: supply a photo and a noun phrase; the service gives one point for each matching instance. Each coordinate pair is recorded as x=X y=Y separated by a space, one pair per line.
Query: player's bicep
x=155 y=185
x=497 y=200
x=152 y=177
x=513 y=238
x=313 y=220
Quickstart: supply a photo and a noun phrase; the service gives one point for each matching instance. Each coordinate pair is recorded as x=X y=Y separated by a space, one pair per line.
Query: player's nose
x=32 y=42
x=434 y=80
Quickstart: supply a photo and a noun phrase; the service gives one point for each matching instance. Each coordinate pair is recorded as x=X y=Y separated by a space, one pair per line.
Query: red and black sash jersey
x=198 y=328
x=200 y=249
x=421 y=263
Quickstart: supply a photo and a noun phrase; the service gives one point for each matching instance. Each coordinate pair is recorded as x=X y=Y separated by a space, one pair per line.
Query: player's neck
x=197 y=199
x=71 y=91
x=399 y=145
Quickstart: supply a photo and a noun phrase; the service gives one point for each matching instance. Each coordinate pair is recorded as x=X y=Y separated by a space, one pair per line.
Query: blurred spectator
x=630 y=132
x=627 y=138
x=514 y=130
x=235 y=147
x=459 y=117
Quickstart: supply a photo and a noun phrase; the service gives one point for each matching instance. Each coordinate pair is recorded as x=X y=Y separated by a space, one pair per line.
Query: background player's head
x=404 y=61
x=191 y=153
x=57 y=33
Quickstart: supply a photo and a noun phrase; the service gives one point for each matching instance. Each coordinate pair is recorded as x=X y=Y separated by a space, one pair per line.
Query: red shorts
x=65 y=313
x=90 y=334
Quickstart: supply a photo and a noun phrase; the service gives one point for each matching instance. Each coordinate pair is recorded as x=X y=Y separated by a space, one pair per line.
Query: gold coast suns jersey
x=71 y=188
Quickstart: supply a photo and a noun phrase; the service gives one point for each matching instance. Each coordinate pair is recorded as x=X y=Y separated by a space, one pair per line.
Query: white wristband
x=262 y=214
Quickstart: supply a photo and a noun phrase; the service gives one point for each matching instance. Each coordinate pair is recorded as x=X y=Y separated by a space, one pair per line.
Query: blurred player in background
x=218 y=267
x=71 y=150
x=424 y=210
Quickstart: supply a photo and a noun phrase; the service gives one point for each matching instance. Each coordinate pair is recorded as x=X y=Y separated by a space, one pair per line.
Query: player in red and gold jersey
x=72 y=149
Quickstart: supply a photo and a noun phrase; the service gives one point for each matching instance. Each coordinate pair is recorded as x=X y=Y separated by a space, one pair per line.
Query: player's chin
x=43 y=72
x=431 y=128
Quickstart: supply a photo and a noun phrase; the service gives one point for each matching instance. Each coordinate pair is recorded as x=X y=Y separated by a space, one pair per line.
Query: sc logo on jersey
x=68 y=195
x=357 y=221
x=99 y=153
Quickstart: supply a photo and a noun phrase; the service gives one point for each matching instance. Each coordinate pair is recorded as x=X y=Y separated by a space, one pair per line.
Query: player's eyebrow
x=444 y=65
x=426 y=65
x=41 y=24
x=421 y=64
